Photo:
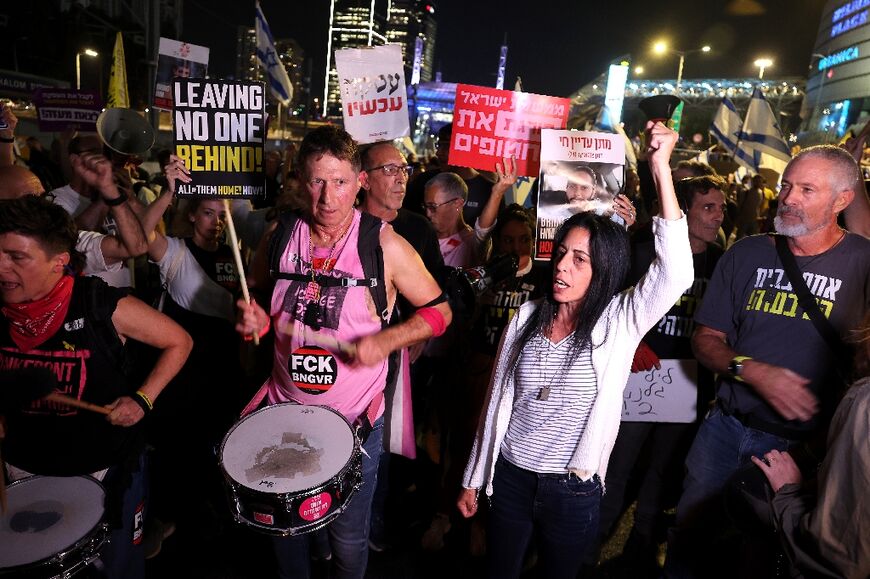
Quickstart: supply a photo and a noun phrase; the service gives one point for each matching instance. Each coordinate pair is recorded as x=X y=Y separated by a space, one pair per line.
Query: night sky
x=556 y=46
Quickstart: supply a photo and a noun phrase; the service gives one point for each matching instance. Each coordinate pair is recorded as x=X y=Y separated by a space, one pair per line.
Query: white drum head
x=47 y=515
x=287 y=448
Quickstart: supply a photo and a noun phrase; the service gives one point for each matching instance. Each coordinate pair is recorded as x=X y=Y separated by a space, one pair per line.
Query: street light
x=661 y=47
x=762 y=63
x=87 y=52
x=638 y=70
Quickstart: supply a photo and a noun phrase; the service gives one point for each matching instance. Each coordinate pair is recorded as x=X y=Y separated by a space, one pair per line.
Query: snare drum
x=53 y=526
x=290 y=469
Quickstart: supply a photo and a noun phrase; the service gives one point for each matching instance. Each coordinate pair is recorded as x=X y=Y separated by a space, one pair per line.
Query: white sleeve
x=90 y=243
x=190 y=287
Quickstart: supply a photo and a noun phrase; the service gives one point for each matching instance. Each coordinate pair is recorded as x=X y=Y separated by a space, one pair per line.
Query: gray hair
x=450 y=183
x=845 y=175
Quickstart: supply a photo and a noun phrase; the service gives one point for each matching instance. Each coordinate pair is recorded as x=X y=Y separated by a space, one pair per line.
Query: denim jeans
x=124 y=557
x=348 y=533
x=560 y=509
x=723 y=445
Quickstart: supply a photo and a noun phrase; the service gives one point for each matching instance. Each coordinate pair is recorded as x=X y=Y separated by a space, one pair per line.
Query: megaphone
x=659 y=107
x=125 y=131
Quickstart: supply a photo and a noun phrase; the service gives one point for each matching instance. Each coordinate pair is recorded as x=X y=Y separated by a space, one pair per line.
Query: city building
x=412 y=24
x=352 y=23
x=838 y=87
x=292 y=56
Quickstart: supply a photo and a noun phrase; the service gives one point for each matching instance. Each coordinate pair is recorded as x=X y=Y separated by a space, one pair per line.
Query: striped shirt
x=543 y=431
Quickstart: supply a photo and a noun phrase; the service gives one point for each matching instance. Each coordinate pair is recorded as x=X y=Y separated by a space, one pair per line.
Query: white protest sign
x=374 y=101
x=666 y=395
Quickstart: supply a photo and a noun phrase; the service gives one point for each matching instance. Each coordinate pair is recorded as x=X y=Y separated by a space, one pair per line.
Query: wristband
x=263 y=332
x=143 y=401
x=7 y=139
x=435 y=319
x=116 y=201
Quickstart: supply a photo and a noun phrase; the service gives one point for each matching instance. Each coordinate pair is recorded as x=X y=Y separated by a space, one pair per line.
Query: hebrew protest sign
x=219 y=132
x=374 y=101
x=580 y=171
x=177 y=60
x=59 y=109
x=666 y=395
x=489 y=124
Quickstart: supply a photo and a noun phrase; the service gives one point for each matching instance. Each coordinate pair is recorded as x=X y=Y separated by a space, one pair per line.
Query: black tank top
x=88 y=359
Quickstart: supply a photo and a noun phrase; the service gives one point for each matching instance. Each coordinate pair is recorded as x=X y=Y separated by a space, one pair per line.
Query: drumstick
x=75 y=403
x=328 y=342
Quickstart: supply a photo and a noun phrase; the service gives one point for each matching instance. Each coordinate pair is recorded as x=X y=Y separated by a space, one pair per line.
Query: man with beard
x=778 y=375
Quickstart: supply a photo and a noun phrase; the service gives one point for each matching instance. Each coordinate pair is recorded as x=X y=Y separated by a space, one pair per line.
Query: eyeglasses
x=392 y=169
x=434 y=206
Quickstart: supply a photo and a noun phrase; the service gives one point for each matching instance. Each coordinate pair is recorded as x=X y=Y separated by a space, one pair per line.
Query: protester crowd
x=496 y=408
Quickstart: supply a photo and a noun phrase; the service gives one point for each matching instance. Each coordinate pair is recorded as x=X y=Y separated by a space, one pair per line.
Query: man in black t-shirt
x=654 y=451
x=778 y=375
x=385 y=178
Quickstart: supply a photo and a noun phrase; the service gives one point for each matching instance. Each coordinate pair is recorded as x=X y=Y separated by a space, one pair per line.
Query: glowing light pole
x=762 y=63
x=662 y=47
x=87 y=52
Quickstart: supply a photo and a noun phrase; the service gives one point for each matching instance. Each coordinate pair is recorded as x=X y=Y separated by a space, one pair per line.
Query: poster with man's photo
x=177 y=60
x=580 y=171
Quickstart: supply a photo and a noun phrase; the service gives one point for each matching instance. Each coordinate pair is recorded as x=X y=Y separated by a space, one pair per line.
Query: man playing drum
x=324 y=294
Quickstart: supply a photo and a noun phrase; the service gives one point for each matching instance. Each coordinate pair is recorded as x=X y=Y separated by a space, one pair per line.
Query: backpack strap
x=370 y=253
x=372 y=257
x=280 y=238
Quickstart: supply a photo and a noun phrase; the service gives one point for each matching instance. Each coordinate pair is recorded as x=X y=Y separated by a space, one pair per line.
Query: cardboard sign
x=219 y=131
x=490 y=124
x=666 y=395
x=60 y=109
x=580 y=171
x=177 y=60
x=374 y=101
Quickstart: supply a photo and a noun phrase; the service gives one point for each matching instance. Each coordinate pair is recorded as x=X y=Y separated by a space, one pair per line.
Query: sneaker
x=155 y=533
x=433 y=538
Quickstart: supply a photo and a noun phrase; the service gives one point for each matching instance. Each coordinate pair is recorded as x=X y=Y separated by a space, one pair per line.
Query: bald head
x=16 y=182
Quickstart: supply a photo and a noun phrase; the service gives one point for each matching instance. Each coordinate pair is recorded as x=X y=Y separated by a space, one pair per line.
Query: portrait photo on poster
x=569 y=187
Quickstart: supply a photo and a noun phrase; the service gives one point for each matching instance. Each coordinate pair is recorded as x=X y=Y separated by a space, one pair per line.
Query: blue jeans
x=560 y=508
x=723 y=445
x=348 y=533
x=124 y=557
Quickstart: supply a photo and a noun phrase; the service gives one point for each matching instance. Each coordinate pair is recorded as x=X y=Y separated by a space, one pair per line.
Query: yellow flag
x=118 y=95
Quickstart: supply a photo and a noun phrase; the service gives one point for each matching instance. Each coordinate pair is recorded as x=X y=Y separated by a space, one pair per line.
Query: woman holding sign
x=555 y=399
x=200 y=284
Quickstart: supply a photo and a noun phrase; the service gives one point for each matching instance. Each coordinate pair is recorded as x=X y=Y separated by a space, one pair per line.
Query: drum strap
x=366 y=422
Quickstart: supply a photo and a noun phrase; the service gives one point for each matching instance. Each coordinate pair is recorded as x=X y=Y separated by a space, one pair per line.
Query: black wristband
x=142 y=404
x=116 y=201
x=7 y=139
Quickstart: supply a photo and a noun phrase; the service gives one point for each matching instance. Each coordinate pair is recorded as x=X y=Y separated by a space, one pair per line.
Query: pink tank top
x=304 y=370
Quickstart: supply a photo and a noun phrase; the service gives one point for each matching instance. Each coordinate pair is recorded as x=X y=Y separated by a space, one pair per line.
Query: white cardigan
x=627 y=318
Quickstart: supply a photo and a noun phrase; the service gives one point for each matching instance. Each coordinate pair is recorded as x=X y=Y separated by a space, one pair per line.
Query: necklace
x=544 y=392
x=313 y=311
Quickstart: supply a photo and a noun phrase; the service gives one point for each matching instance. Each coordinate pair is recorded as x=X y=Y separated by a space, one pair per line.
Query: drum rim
x=102 y=527
x=357 y=446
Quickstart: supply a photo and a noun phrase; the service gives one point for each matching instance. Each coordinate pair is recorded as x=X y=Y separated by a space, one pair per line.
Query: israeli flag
x=279 y=82
x=761 y=133
x=727 y=129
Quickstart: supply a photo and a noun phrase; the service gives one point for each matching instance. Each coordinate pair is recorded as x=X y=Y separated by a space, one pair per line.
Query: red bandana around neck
x=32 y=323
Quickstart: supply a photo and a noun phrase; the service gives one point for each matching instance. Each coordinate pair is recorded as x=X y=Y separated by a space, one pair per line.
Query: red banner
x=489 y=124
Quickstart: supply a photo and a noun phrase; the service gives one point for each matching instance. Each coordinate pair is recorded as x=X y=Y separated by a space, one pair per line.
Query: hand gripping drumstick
x=234 y=245
x=328 y=342
x=23 y=386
